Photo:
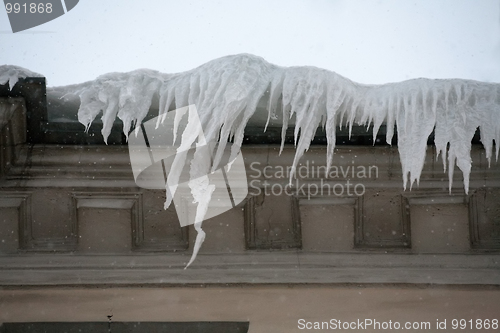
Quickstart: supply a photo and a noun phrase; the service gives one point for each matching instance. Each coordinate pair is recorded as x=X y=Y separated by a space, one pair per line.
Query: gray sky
x=366 y=41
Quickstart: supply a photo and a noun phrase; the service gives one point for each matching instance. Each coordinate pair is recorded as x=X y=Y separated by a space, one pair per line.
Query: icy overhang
x=63 y=127
x=229 y=94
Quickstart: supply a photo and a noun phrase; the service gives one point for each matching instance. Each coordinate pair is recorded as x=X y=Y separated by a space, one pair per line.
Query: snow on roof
x=12 y=74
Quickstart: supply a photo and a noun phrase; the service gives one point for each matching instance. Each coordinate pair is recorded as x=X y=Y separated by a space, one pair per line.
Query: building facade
x=82 y=244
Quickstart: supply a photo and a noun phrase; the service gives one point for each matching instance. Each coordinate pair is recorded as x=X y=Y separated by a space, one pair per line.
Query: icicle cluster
x=12 y=74
x=127 y=96
x=226 y=92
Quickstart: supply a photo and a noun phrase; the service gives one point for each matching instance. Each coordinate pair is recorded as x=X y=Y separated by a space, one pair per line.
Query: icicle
x=200 y=186
x=177 y=119
x=193 y=133
x=378 y=119
x=308 y=103
x=276 y=86
x=200 y=238
x=390 y=119
x=352 y=115
x=334 y=99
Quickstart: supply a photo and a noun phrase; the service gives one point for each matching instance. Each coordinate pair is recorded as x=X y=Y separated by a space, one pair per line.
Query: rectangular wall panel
x=272 y=222
x=383 y=224
x=14 y=217
x=328 y=223
x=439 y=222
x=105 y=221
x=484 y=212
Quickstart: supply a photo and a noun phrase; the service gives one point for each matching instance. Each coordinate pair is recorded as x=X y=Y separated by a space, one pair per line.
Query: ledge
x=252 y=268
x=109 y=166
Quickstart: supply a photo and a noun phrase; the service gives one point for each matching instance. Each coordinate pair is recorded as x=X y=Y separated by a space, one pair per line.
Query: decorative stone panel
x=484 y=212
x=15 y=221
x=272 y=222
x=328 y=222
x=382 y=223
x=159 y=230
x=52 y=225
x=439 y=221
x=107 y=222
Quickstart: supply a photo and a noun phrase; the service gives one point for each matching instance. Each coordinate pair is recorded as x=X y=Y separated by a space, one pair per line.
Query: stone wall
x=71 y=203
